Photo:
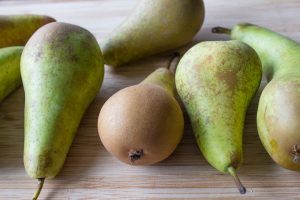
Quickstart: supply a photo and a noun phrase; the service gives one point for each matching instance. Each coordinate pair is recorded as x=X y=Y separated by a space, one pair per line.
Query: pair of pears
x=216 y=82
x=218 y=105
x=278 y=112
x=15 y=30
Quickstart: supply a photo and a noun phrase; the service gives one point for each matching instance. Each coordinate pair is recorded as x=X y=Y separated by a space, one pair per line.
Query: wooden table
x=91 y=173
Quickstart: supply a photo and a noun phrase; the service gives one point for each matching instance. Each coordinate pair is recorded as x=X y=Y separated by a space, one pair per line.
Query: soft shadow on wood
x=257 y=163
x=11 y=131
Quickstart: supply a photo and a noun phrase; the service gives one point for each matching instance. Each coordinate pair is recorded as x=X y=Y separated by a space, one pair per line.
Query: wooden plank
x=91 y=173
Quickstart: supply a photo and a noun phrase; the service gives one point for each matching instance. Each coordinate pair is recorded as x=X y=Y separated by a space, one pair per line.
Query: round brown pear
x=142 y=124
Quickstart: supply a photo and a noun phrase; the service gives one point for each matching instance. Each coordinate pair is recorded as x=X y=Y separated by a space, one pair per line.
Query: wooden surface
x=91 y=173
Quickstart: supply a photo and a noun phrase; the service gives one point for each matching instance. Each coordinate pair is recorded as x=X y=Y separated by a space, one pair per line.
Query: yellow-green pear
x=216 y=82
x=153 y=27
x=15 y=30
x=62 y=71
x=278 y=114
x=10 y=77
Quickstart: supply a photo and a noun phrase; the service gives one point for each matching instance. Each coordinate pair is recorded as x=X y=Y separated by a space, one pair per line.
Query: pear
x=153 y=27
x=62 y=71
x=15 y=30
x=142 y=124
x=278 y=114
x=216 y=82
x=10 y=77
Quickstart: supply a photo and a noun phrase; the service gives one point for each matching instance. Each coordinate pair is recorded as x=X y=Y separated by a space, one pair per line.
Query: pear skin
x=278 y=112
x=163 y=78
x=143 y=124
x=10 y=76
x=15 y=30
x=153 y=27
x=62 y=70
x=216 y=82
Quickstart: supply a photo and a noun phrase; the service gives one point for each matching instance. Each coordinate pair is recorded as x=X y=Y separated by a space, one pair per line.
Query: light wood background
x=91 y=173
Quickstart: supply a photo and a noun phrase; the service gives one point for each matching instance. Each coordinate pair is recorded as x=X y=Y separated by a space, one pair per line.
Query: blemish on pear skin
x=229 y=78
x=38 y=55
x=207 y=61
x=209 y=58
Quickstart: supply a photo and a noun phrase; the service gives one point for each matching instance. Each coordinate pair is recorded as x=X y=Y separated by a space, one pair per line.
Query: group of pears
x=62 y=68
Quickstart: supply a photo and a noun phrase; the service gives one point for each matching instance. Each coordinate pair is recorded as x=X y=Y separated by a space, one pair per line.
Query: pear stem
x=175 y=55
x=135 y=155
x=236 y=179
x=220 y=30
x=296 y=153
x=40 y=186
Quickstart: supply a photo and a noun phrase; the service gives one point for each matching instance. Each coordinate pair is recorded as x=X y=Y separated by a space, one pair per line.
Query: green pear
x=62 y=70
x=216 y=82
x=278 y=113
x=15 y=30
x=10 y=77
x=154 y=26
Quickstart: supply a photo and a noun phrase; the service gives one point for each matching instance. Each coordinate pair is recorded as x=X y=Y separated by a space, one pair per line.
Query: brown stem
x=219 y=30
x=40 y=186
x=176 y=56
x=135 y=155
x=296 y=153
x=236 y=179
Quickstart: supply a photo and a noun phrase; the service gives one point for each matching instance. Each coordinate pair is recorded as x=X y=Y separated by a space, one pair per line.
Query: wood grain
x=91 y=173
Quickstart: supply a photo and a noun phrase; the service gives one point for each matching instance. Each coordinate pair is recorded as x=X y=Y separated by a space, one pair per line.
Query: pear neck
x=279 y=54
x=162 y=77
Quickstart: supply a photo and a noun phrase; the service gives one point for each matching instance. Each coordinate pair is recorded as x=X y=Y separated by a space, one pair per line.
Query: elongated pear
x=216 y=82
x=62 y=71
x=278 y=114
x=143 y=124
x=153 y=27
x=15 y=30
x=10 y=76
